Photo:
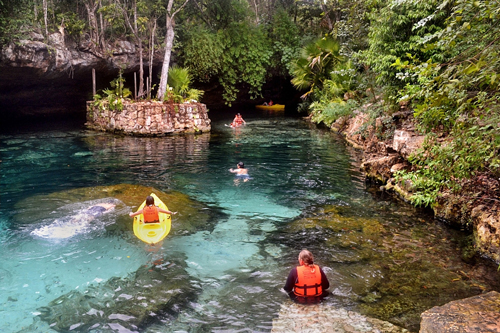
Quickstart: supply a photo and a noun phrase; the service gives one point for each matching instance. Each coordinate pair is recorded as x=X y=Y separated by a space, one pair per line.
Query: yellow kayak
x=274 y=107
x=152 y=233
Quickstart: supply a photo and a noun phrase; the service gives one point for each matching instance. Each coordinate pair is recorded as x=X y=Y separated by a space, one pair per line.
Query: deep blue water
x=298 y=172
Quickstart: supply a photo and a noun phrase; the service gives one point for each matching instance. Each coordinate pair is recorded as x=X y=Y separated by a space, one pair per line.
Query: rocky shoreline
x=475 y=208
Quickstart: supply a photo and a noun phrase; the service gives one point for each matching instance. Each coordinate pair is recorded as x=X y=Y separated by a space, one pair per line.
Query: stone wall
x=149 y=118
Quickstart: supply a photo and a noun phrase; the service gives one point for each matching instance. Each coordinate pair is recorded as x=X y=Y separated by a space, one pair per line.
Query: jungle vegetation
x=439 y=59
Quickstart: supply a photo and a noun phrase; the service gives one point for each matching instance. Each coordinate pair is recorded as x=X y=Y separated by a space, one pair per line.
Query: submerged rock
x=192 y=215
x=474 y=314
x=391 y=276
x=326 y=318
x=129 y=303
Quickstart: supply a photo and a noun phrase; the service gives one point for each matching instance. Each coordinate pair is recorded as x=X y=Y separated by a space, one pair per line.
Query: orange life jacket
x=238 y=121
x=308 y=281
x=151 y=214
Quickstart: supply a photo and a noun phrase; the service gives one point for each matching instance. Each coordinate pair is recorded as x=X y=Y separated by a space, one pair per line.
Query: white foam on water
x=74 y=219
x=61 y=229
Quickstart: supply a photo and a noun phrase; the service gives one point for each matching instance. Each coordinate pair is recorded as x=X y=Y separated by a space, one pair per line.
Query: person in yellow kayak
x=150 y=211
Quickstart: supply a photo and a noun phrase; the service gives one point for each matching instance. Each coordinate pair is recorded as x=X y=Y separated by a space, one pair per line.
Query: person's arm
x=161 y=210
x=135 y=214
x=290 y=281
x=325 y=284
x=233 y=170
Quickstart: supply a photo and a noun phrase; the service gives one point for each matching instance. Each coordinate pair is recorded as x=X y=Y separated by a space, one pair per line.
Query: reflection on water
x=214 y=272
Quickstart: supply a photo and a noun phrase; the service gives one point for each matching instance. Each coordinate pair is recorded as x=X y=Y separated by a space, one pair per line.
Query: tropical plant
x=113 y=97
x=316 y=62
x=178 y=89
x=245 y=60
x=329 y=112
x=397 y=30
x=458 y=99
x=202 y=52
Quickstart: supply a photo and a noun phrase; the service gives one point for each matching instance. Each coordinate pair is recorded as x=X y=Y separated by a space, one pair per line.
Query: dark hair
x=241 y=165
x=150 y=200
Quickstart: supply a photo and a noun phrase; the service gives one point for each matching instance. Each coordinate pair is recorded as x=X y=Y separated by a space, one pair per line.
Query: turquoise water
x=239 y=262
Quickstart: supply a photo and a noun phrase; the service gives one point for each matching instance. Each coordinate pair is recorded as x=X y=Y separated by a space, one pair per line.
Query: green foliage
x=337 y=99
x=73 y=25
x=16 y=20
x=202 y=52
x=178 y=88
x=459 y=98
x=328 y=113
x=179 y=79
x=245 y=60
x=114 y=97
x=284 y=35
x=396 y=31
x=315 y=63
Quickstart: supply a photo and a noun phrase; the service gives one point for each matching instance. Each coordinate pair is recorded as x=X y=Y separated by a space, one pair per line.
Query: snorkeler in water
x=92 y=212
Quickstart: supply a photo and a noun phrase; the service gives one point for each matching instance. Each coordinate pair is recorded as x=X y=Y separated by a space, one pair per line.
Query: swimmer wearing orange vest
x=238 y=121
x=306 y=283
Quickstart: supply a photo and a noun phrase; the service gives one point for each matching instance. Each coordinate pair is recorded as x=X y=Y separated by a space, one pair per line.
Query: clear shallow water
x=305 y=192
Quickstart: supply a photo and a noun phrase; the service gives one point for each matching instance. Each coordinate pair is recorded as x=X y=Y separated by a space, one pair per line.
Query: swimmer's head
x=241 y=165
x=306 y=257
x=150 y=200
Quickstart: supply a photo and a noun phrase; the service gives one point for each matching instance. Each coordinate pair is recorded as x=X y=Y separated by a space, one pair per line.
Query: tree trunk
x=45 y=20
x=151 y=58
x=327 y=17
x=91 y=6
x=141 y=64
x=169 y=42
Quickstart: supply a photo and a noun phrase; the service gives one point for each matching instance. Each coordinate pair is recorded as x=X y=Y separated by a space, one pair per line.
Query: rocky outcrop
x=149 y=118
x=387 y=144
x=474 y=314
x=326 y=318
x=51 y=76
x=58 y=56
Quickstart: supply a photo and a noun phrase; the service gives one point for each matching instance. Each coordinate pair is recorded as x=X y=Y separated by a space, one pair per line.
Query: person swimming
x=69 y=226
x=238 y=121
x=92 y=212
x=241 y=172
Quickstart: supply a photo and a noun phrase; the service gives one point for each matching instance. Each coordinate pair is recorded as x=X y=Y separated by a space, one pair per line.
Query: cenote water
x=232 y=242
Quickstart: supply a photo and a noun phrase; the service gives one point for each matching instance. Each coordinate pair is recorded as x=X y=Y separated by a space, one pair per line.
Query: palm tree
x=315 y=64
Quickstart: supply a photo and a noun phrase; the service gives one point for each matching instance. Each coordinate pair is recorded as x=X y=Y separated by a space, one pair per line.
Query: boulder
x=474 y=314
x=380 y=167
x=326 y=318
x=124 y=304
x=406 y=142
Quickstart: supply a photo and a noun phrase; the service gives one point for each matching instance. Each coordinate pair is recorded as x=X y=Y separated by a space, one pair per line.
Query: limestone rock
x=406 y=142
x=474 y=314
x=379 y=167
x=487 y=234
x=326 y=318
